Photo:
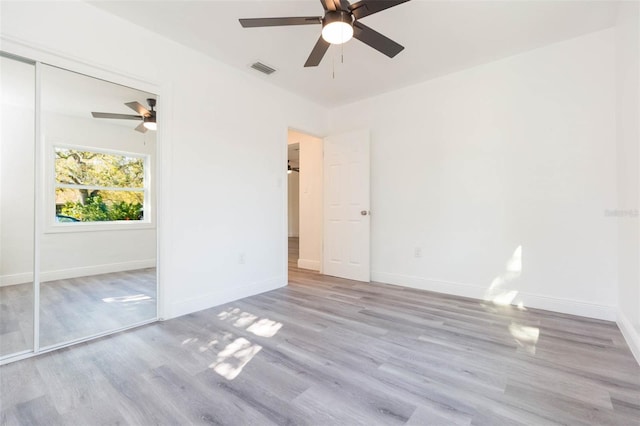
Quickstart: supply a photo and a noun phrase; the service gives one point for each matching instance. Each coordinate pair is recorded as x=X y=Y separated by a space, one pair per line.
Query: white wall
x=211 y=114
x=311 y=196
x=628 y=135
x=293 y=204
x=16 y=168
x=500 y=176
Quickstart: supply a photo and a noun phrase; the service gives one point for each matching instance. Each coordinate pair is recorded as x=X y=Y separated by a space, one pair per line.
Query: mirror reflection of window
x=93 y=186
x=99 y=242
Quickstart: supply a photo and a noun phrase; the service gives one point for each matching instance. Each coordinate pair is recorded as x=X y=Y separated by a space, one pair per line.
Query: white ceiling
x=439 y=37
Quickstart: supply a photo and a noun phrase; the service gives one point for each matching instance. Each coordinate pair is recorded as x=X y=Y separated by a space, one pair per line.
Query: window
x=95 y=186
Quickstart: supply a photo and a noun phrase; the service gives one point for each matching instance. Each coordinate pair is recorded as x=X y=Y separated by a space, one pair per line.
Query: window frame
x=53 y=226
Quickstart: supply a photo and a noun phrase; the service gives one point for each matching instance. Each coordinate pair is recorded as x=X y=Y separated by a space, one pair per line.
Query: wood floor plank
x=38 y=411
x=326 y=350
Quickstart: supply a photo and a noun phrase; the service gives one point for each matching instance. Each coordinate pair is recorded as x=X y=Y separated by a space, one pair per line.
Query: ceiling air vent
x=265 y=69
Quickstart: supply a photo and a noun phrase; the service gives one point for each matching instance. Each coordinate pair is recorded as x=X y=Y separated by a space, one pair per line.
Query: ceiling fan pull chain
x=333 y=67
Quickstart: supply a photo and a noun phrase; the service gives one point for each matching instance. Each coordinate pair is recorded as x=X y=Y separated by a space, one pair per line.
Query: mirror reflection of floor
x=76 y=308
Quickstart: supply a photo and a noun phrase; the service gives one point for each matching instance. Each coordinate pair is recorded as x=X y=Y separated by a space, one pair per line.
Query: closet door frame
x=23 y=53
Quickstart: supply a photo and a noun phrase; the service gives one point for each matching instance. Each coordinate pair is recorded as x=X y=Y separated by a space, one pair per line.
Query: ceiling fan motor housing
x=334 y=29
x=337 y=16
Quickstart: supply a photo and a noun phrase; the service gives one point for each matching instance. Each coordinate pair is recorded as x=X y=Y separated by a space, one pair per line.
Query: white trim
x=99 y=188
x=283 y=182
x=314 y=265
x=529 y=300
x=83 y=271
x=114 y=225
x=38 y=183
x=161 y=207
x=223 y=296
x=630 y=334
x=60 y=59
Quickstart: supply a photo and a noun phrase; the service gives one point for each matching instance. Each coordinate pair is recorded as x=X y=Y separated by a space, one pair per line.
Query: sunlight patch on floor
x=525 y=336
x=263 y=327
x=232 y=359
x=126 y=299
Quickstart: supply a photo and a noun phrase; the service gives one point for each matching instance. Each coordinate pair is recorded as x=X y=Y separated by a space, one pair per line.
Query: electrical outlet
x=241 y=259
x=417 y=252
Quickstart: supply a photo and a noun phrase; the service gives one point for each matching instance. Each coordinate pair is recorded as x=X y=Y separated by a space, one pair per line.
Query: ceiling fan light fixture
x=150 y=123
x=337 y=27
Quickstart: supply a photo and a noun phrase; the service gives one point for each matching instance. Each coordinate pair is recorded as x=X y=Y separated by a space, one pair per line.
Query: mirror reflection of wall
x=17 y=167
x=98 y=251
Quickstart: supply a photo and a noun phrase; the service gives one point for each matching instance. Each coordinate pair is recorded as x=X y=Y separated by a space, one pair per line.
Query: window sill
x=97 y=226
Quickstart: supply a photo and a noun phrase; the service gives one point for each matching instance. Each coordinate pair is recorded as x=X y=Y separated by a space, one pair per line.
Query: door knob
x=364 y=212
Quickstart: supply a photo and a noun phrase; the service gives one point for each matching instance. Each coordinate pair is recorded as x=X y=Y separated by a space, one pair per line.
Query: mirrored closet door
x=78 y=216
x=17 y=170
x=98 y=247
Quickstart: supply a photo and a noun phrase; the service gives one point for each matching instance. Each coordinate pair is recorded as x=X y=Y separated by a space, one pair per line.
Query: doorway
x=305 y=195
x=329 y=216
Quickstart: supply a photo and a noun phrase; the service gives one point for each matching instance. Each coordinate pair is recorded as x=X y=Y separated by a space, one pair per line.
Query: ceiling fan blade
x=344 y=5
x=141 y=128
x=369 y=7
x=137 y=107
x=276 y=22
x=116 y=116
x=317 y=53
x=328 y=5
x=376 y=40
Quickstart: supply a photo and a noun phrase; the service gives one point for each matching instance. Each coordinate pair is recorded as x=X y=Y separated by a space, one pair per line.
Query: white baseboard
x=565 y=306
x=13 y=279
x=630 y=334
x=314 y=265
x=222 y=296
x=84 y=271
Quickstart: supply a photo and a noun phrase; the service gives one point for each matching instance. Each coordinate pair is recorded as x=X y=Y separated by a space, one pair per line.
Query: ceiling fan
x=292 y=169
x=148 y=116
x=341 y=22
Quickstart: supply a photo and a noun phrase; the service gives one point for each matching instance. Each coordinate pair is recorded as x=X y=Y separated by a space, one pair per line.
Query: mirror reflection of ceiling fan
x=148 y=116
x=341 y=22
x=292 y=169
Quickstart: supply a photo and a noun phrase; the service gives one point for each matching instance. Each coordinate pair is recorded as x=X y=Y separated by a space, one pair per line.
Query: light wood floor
x=75 y=308
x=327 y=351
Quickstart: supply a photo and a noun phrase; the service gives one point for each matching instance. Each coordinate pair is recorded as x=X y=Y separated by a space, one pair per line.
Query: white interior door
x=346 y=252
